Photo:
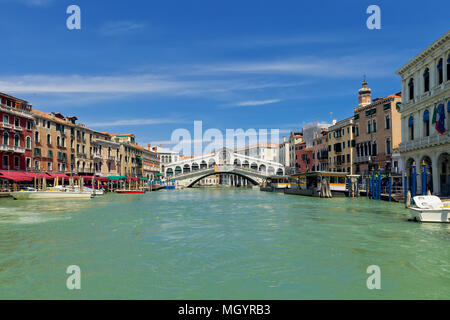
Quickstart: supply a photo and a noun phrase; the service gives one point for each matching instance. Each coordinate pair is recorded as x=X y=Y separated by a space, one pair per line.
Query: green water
x=219 y=244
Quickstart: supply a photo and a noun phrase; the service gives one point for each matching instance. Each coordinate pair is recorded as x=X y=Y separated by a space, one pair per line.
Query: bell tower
x=364 y=94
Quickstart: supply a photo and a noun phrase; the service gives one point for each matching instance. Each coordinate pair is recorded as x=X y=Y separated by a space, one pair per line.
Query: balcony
x=6 y=125
x=97 y=155
x=111 y=158
x=425 y=142
x=4 y=147
x=363 y=159
x=16 y=149
x=18 y=128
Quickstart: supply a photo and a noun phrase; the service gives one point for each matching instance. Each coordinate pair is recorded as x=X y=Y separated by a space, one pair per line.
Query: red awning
x=133 y=179
x=57 y=175
x=15 y=176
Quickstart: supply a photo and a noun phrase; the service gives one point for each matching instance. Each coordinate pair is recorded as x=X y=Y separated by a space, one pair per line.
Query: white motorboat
x=430 y=209
x=50 y=195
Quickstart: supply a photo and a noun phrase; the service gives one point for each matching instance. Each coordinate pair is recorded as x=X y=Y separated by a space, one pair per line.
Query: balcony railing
x=7 y=125
x=17 y=149
x=363 y=159
x=97 y=155
x=424 y=142
x=18 y=128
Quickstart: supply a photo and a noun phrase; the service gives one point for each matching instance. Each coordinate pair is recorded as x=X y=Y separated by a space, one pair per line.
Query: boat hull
x=129 y=191
x=430 y=215
x=33 y=195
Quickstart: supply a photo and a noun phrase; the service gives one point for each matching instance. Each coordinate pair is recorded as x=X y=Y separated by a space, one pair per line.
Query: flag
x=440 y=119
x=434 y=115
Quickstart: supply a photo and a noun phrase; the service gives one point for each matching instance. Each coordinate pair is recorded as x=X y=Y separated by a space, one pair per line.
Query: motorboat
x=130 y=191
x=430 y=209
x=50 y=195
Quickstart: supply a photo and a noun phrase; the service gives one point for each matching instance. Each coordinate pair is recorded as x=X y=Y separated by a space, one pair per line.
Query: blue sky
x=149 y=67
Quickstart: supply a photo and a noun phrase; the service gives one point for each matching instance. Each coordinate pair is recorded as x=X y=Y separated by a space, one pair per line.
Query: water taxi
x=430 y=209
x=275 y=183
x=50 y=195
x=309 y=183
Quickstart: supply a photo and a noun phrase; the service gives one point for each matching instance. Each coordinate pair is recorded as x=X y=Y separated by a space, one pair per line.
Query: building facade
x=320 y=152
x=16 y=133
x=284 y=152
x=341 y=146
x=294 y=138
x=51 y=152
x=106 y=155
x=377 y=131
x=303 y=157
x=425 y=116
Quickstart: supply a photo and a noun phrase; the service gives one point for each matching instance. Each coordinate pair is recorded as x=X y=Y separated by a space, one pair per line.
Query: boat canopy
x=116 y=177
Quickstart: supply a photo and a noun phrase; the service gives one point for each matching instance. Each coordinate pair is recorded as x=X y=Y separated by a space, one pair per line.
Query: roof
x=426 y=52
x=13 y=98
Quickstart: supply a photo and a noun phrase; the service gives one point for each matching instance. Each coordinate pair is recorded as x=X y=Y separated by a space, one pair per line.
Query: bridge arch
x=253 y=181
x=178 y=170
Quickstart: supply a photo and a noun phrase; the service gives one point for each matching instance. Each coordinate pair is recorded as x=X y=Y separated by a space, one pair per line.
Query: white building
x=166 y=156
x=310 y=130
x=263 y=151
x=426 y=88
x=284 y=153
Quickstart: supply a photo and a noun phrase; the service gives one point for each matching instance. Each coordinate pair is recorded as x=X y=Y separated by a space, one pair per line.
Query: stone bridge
x=224 y=161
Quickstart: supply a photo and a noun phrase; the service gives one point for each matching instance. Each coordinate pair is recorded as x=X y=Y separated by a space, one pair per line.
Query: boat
x=309 y=184
x=130 y=191
x=430 y=209
x=50 y=195
x=275 y=183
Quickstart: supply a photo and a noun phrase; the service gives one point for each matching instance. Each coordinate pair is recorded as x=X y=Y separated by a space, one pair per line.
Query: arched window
x=440 y=72
x=36 y=136
x=411 y=89
x=426 y=80
x=411 y=128
x=5 y=138
x=28 y=142
x=448 y=67
x=49 y=139
x=58 y=141
x=426 y=123
x=17 y=140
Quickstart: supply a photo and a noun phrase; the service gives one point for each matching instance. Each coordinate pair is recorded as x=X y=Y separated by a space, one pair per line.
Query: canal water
x=219 y=244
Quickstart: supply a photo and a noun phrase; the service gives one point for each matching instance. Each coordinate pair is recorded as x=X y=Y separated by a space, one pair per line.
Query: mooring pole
x=405 y=186
x=390 y=188
x=414 y=181
x=424 y=178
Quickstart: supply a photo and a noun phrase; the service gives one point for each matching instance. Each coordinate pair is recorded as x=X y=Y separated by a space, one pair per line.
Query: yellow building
x=341 y=146
x=106 y=155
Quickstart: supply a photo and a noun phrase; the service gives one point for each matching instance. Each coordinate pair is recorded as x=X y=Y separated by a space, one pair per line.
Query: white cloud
x=132 y=122
x=256 y=102
x=120 y=27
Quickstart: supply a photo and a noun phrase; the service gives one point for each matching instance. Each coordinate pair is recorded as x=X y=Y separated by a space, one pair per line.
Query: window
x=5 y=118
x=411 y=127
x=49 y=166
x=17 y=122
x=48 y=124
x=369 y=126
x=426 y=123
x=5 y=162
x=411 y=89
x=448 y=67
x=16 y=162
x=49 y=139
x=426 y=80
x=28 y=143
x=29 y=125
x=58 y=141
x=440 y=72
x=388 y=146
x=28 y=163
x=5 y=138
x=374 y=149
x=374 y=125
x=357 y=131
x=387 y=122
x=17 y=140
x=36 y=137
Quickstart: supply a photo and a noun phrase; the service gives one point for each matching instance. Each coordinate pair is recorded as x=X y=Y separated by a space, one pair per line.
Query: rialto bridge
x=245 y=169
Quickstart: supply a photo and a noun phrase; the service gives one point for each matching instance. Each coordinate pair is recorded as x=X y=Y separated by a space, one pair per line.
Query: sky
x=150 y=67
